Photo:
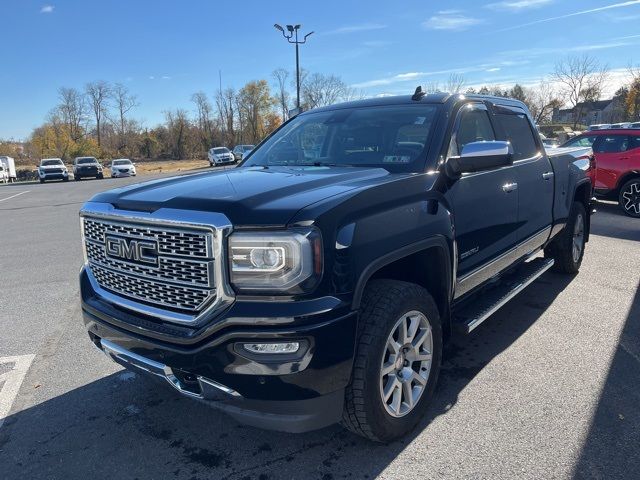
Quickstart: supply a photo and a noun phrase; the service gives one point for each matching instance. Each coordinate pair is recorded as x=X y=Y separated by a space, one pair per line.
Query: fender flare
x=436 y=241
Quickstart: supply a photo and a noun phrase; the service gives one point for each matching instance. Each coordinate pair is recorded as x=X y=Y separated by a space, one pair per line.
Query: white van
x=8 y=173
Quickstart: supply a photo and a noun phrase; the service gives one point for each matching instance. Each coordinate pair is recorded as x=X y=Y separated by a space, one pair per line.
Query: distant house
x=599 y=111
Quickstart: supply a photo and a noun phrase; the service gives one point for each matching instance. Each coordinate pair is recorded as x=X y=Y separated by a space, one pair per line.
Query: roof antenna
x=417 y=96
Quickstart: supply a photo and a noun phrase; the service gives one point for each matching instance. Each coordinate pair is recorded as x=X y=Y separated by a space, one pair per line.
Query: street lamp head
x=278 y=27
x=290 y=28
x=297 y=27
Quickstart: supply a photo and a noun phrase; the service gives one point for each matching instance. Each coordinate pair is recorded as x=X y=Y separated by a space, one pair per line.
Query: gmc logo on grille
x=132 y=249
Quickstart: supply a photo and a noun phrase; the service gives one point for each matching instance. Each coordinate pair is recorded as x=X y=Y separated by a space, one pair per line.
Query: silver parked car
x=240 y=151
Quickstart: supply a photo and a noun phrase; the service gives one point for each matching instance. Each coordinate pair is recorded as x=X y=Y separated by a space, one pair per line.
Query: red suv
x=617 y=173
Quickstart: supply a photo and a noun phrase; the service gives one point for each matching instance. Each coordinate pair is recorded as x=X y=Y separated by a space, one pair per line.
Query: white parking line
x=12 y=381
x=13 y=196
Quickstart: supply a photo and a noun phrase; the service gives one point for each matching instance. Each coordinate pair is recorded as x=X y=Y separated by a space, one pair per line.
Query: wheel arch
x=426 y=263
x=625 y=178
x=583 y=193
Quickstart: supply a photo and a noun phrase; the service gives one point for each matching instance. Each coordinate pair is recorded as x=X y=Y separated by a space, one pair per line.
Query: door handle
x=509 y=187
x=547 y=175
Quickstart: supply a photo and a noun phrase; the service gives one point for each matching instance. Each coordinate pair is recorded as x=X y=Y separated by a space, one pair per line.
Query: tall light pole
x=291 y=34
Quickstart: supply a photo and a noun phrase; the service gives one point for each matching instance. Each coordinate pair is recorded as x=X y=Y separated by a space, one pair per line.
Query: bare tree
x=98 y=94
x=123 y=102
x=281 y=75
x=73 y=111
x=543 y=99
x=455 y=83
x=177 y=126
x=432 y=87
x=204 y=112
x=320 y=90
x=226 y=104
x=581 y=80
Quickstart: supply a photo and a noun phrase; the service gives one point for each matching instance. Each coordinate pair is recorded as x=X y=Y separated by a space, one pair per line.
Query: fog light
x=269 y=348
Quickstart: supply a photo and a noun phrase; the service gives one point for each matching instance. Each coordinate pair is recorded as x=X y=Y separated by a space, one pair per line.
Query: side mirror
x=479 y=156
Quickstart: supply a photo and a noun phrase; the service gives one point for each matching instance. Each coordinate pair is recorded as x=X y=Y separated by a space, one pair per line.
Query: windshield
x=393 y=137
x=218 y=151
x=246 y=148
x=86 y=160
x=122 y=162
x=46 y=163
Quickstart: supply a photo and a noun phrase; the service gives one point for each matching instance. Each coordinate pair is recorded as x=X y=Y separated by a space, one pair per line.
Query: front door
x=485 y=204
x=611 y=152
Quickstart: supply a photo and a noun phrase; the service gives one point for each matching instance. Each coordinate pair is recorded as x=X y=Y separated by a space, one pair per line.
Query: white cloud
x=494 y=69
x=450 y=20
x=166 y=77
x=151 y=77
x=517 y=5
x=365 y=27
x=574 y=14
x=47 y=9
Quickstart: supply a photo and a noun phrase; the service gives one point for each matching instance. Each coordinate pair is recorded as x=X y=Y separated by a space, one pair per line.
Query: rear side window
x=634 y=142
x=611 y=144
x=517 y=130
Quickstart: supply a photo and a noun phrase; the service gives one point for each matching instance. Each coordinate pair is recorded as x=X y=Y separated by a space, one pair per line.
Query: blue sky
x=166 y=50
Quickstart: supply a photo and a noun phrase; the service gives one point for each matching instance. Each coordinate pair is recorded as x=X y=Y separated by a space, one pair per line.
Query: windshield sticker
x=396 y=159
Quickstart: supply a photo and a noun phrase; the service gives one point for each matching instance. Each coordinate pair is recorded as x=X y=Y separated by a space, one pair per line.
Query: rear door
x=534 y=175
x=611 y=152
x=485 y=207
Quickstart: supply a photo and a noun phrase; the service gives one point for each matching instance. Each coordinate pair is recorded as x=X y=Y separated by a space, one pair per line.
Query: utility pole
x=291 y=34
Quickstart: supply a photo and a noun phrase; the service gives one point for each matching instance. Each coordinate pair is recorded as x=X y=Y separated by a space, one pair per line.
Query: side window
x=581 y=141
x=517 y=130
x=474 y=126
x=611 y=144
x=634 y=142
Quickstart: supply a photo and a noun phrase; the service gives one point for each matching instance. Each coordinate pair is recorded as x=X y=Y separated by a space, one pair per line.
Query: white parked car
x=7 y=170
x=52 y=169
x=123 y=167
x=220 y=155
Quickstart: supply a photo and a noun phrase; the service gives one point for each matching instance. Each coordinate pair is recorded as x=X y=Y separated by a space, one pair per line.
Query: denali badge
x=132 y=249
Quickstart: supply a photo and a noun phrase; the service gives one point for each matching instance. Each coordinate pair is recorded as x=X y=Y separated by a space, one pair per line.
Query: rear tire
x=629 y=198
x=390 y=392
x=567 y=249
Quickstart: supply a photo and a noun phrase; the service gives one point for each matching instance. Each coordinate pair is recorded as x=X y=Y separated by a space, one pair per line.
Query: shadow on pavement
x=612 y=446
x=124 y=426
x=610 y=221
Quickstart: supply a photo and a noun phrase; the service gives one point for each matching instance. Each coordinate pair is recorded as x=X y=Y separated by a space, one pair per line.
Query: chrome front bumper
x=205 y=389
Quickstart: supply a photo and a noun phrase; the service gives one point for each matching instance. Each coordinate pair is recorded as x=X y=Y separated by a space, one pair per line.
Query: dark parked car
x=84 y=167
x=240 y=151
x=318 y=282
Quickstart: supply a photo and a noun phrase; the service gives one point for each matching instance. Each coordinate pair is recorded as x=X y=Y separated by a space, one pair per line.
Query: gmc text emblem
x=132 y=249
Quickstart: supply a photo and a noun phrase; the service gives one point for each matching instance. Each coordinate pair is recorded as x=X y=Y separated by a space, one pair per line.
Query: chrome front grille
x=183 y=277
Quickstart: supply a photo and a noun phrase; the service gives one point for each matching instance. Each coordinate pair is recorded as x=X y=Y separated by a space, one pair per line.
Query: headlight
x=287 y=261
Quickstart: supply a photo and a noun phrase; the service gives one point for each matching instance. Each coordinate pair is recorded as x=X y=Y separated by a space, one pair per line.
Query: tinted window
x=634 y=142
x=218 y=151
x=86 y=160
x=611 y=144
x=51 y=162
x=586 y=141
x=474 y=126
x=365 y=136
x=517 y=130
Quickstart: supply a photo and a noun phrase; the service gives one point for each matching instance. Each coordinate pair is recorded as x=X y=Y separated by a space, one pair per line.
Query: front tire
x=629 y=198
x=567 y=249
x=397 y=362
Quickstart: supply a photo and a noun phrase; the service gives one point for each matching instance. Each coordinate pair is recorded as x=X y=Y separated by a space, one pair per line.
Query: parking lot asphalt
x=546 y=388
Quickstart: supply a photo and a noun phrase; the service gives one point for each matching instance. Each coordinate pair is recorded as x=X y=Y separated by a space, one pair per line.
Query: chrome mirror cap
x=486 y=149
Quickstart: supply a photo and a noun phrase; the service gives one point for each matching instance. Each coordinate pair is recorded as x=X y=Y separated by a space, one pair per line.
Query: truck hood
x=247 y=196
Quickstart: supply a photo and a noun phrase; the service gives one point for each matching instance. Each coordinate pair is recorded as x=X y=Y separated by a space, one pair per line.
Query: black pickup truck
x=317 y=282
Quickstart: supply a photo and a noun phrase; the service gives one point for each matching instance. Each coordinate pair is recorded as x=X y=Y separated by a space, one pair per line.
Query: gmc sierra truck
x=317 y=282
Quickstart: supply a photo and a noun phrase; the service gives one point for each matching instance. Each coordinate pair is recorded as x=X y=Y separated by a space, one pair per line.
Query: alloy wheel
x=631 y=198
x=578 y=238
x=406 y=363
